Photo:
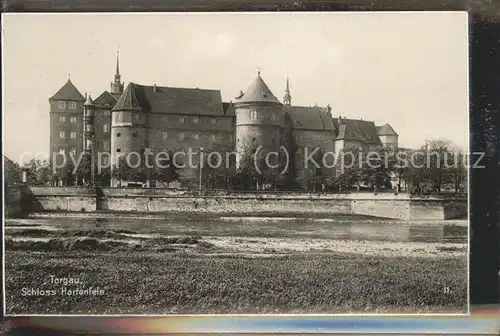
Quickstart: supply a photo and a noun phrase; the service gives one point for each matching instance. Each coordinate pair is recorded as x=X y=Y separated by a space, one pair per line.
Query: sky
x=409 y=69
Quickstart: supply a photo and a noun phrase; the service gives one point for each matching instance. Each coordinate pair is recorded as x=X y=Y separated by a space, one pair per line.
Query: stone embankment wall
x=401 y=206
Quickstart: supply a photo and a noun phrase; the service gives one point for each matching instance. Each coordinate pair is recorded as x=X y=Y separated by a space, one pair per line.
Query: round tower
x=88 y=125
x=128 y=129
x=259 y=120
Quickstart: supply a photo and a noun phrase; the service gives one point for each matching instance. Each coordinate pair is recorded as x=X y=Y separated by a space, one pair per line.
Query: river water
x=337 y=228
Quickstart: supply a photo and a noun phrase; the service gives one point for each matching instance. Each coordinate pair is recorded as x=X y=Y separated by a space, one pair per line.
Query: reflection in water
x=344 y=229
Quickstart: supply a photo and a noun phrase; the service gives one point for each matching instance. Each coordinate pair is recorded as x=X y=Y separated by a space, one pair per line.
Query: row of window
x=72 y=150
x=254 y=115
x=182 y=119
x=62 y=134
x=72 y=120
x=62 y=105
x=181 y=136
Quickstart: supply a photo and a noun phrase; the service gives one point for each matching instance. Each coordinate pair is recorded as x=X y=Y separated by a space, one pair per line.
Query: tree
x=311 y=175
x=124 y=172
x=438 y=153
x=457 y=167
x=164 y=169
x=378 y=167
x=219 y=166
x=38 y=172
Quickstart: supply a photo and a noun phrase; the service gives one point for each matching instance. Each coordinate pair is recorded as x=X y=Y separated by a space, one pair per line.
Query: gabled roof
x=258 y=91
x=161 y=99
x=106 y=98
x=386 y=129
x=310 y=118
x=68 y=92
x=361 y=130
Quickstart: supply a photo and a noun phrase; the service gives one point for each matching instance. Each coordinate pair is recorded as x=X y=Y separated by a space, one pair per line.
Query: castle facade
x=139 y=118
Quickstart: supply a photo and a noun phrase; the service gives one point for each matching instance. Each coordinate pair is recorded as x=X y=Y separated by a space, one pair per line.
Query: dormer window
x=72 y=105
x=61 y=104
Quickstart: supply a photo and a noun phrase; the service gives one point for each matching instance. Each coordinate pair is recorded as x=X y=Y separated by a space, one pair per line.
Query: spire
x=287 y=98
x=117 y=63
x=88 y=102
x=117 y=85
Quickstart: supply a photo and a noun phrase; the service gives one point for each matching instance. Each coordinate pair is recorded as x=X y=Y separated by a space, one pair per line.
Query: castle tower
x=88 y=125
x=259 y=120
x=129 y=128
x=66 y=118
x=287 y=98
x=117 y=85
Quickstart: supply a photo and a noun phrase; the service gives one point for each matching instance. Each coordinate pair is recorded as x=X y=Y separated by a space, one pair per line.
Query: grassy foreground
x=155 y=282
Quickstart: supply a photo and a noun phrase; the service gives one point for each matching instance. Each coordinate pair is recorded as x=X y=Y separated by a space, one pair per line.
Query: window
x=212 y=137
x=61 y=104
x=164 y=135
x=72 y=120
x=62 y=135
x=118 y=150
x=213 y=121
x=105 y=128
x=273 y=116
x=62 y=119
x=181 y=136
x=118 y=134
x=72 y=135
x=164 y=118
x=62 y=151
x=134 y=134
x=195 y=120
x=195 y=136
x=105 y=145
x=253 y=114
x=136 y=116
x=72 y=105
x=181 y=120
x=107 y=113
x=73 y=151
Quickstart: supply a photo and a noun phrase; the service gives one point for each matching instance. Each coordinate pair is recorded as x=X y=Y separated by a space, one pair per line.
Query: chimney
x=339 y=120
x=154 y=87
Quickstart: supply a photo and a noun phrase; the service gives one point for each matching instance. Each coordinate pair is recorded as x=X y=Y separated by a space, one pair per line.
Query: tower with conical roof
x=129 y=127
x=117 y=85
x=259 y=120
x=287 y=98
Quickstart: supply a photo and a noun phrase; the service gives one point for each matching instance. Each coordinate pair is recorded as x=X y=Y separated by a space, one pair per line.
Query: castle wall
x=402 y=206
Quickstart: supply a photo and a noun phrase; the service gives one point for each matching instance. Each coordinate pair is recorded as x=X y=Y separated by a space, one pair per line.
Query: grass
x=152 y=282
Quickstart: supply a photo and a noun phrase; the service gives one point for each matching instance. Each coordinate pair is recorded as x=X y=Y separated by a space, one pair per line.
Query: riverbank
x=138 y=282
x=268 y=216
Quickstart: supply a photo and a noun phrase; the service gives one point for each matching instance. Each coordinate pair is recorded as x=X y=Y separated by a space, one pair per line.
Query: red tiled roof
x=68 y=92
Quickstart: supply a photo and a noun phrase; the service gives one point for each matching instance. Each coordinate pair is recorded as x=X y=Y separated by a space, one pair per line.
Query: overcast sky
x=407 y=69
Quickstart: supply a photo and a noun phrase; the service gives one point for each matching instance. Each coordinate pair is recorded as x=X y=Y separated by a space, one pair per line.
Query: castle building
x=150 y=118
